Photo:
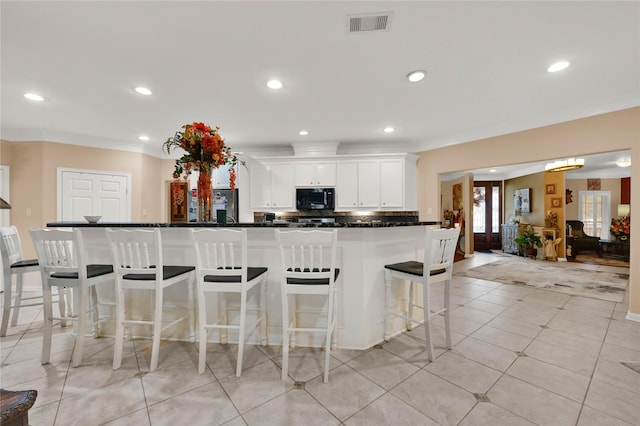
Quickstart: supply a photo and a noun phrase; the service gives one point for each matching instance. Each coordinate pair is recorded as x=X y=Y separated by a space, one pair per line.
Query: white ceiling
x=209 y=61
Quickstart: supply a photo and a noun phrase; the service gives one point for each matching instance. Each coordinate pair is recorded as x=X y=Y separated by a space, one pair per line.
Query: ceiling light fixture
x=303 y=133
x=388 y=130
x=34 y=97
x=492 y=171
x=416 y=76
x=274 y=84
x=564 y=165
x=143 y=137
x=558 y=66
x=143 y=90
x=623 y=162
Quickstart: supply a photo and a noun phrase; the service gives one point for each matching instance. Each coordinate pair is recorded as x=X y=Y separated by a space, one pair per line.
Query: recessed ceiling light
x=143 y=90
x=303 y=133
x=558 y=66
x=388 y=130
x=143 y=137
x=416 y=76
x=34 y=97
x=623 y=162
x=492 y=171
x=274 y=84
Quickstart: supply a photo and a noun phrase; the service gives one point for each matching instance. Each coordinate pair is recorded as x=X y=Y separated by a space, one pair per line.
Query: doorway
x=93 y=193
x=487 y=214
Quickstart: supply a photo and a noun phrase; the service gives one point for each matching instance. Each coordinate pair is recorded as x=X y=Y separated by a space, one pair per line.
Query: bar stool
x=440 y=247
x=221 y=268
x=139 y=265
x=61 y=255
x=308 y=268
x=14 y=264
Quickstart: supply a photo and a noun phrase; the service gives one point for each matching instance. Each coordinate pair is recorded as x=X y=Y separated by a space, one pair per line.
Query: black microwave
x=315 y=198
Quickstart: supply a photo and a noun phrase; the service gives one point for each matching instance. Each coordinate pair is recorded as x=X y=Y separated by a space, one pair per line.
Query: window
x=594 y=209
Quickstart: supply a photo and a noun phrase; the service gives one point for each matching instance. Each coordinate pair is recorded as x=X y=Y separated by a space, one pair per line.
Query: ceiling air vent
x=369 y=22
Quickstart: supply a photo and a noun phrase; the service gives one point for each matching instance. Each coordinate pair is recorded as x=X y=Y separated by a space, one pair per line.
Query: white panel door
x=94 y=194
x=282 y=187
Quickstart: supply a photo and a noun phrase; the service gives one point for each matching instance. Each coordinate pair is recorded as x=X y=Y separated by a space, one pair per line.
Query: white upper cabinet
x=366 y=183
x=347 y=185
x=391 y=184
x=369 y=184
x=271 y=185
x=220 y=177
x=315 y=174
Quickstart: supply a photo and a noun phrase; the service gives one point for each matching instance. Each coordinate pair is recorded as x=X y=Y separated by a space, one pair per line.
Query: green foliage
x=529 y=238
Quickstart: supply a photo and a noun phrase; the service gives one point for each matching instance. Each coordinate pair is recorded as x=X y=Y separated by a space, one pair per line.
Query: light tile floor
x=521 y=356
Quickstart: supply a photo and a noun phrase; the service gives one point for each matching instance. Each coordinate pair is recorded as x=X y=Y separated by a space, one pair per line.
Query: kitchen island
x=363 y=250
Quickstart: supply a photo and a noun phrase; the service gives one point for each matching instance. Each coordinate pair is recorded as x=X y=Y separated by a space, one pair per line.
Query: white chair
x=440 y=247
x=139 y=265
x=14 y=264
x=308 y=268
x=221 y=268
x=61 y=255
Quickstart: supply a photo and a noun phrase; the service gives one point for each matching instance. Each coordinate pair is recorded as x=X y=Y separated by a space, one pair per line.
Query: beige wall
x=614 y=131
x=577 y=185
x=33 y=171
x=536 y=183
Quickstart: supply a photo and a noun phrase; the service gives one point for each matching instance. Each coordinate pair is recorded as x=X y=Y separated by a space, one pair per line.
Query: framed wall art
x=551 y=188
x=556 y=202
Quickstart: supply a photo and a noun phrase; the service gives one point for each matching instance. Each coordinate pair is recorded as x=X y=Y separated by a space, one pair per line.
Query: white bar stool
x=221 y=268
x=14 y=264
x=139 y=265
x=308 y=268
x=61 y=255
x=440 y=248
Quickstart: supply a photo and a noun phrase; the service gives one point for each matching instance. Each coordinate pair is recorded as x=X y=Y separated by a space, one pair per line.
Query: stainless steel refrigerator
x=222 y=200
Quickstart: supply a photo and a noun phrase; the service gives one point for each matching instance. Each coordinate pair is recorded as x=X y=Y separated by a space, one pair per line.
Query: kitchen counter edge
x=234 y=225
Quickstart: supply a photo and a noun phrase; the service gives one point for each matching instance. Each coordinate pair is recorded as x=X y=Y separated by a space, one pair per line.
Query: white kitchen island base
x=362 y=254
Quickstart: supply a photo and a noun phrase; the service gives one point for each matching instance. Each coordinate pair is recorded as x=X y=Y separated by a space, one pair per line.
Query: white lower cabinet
x=271 y=186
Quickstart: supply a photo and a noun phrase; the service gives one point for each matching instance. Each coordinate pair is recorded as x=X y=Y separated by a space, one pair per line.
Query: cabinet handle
x=384 y=204
x=354 y=204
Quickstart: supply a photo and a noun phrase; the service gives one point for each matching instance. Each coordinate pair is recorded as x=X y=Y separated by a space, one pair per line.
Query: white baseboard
x=632 y=317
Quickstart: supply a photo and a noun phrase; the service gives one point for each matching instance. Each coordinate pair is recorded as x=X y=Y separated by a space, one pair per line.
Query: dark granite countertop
x=234 y=225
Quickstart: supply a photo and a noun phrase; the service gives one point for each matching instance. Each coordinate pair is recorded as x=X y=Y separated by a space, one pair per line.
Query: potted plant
x=530 y=240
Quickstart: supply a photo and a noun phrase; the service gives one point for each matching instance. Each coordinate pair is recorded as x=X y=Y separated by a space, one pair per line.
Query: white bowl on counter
x=93 y=219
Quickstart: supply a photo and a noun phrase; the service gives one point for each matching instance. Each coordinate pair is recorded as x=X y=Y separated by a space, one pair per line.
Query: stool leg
x=81 y=294
x=48 y=322
x=427 y=319
x=411 y=301
x=388 y=279
x=17 y=300
x=263 y=312
x=63 y=292
x=120 y=318
x=293 y=313
x=243 y=319
x=202 y=333
x=7 y=303
x=334 y=340
x=447 y=307
x=285 y=335
x=222 y=301
x=191 y=308
x=157 y=330
x=95 y=314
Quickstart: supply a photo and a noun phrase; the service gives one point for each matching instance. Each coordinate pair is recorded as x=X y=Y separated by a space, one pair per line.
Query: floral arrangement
x=205 y=150
x=621 y=226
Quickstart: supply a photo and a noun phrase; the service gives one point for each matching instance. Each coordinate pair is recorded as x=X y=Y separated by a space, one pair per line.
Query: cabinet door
x=282 y=186
x=260 y=178
x=391 y=184
x=369 y=184
x=347 y=185
x=325 y=174
x=220 y=177
x=305 y=174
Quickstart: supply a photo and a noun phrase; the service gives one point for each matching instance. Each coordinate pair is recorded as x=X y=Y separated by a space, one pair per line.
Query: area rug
x=563 y=277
